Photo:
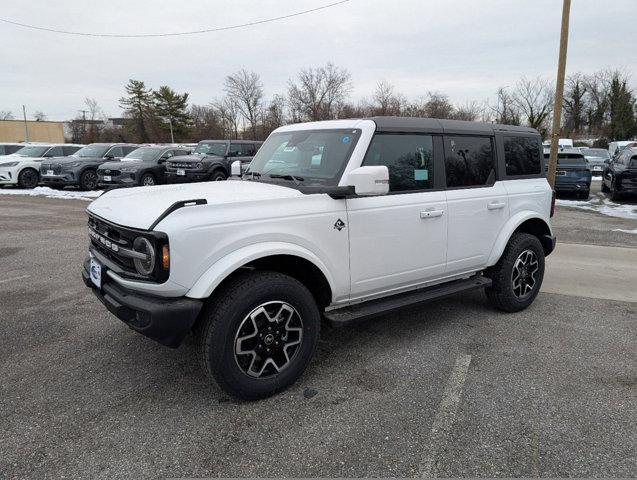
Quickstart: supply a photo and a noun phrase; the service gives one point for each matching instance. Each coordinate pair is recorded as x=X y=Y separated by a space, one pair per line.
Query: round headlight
x=142 y=245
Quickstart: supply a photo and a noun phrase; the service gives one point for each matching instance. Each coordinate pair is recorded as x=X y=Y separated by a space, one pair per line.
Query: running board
x=352 y=314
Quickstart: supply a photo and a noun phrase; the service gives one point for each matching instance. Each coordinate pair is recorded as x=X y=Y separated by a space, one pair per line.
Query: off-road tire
x=614 y=194
x=28 y=178
x=88 y=180
x=500 y=294
x=147 y=177
x=218 y=176
x=219 y=325
x=605 y=189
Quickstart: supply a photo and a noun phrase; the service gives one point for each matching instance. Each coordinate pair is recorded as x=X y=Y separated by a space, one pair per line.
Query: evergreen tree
x=139 y=108
x=172 y=107
x=622 y=109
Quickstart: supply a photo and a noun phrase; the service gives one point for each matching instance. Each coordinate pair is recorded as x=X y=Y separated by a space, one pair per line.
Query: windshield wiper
x=296 y=180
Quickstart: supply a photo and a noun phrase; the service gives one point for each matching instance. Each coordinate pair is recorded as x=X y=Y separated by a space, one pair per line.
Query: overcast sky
x=465 y=49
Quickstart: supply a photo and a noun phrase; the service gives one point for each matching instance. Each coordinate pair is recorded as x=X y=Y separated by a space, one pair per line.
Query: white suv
x=339 y=220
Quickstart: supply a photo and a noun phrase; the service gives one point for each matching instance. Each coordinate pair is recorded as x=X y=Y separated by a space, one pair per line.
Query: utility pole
x=170 y=122
x=26 y=125
x=559 y=93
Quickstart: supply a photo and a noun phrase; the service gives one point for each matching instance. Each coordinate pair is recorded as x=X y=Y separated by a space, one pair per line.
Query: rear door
x=399 y=240
x=478 y=205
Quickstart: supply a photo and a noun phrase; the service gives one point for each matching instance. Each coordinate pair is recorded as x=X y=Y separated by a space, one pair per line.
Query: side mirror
x=235 y=168
x=369 y=180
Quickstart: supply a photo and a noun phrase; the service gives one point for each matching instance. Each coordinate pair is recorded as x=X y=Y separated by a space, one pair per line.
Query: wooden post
x=559 y=93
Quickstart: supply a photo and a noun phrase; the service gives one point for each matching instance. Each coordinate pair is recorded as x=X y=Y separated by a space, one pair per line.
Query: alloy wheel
x=268 y=339
x=90 y=180
x=524 y=275
x=29 y=178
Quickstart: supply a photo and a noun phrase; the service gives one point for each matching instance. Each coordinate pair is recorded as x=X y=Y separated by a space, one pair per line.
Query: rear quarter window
x=522 y=155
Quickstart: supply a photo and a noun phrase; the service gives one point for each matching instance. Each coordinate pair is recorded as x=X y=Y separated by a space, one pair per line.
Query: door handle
x=496 y=205
x=431 y=213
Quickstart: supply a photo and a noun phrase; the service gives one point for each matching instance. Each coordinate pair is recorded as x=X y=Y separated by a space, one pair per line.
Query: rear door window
x=70 y=150
x=115 y=152
x=408 y=157
x=469 y=161
x=54 y=152
x=522 y=156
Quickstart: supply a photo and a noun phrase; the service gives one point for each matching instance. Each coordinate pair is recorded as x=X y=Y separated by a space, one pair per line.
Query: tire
x=242 y=310
x=584 y=195
x=88 y=180
x=28 y=178
x=148 y=180
x=605 y=189
x=218 y=176
x=614 y=194
x=503 y=293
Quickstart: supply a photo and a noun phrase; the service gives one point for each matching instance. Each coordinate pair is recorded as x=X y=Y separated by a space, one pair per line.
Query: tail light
x=553 y=204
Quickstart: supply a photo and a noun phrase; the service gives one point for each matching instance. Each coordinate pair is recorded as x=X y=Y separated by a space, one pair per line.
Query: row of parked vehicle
x=121 y=164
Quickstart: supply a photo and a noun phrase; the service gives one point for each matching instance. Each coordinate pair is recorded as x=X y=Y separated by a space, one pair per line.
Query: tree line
x=597 y=105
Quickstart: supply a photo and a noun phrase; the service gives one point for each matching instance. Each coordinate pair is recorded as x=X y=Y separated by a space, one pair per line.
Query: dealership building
x=37 y=131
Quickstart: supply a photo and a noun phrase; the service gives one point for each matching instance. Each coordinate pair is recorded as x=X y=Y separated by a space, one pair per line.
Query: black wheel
x=518 y=275
x=605 y=189
x=88 y=180
x=614 y=194
x=584 y=195
x=257 y=335
x=148 y=180
x=28 y=178
x=217 y=176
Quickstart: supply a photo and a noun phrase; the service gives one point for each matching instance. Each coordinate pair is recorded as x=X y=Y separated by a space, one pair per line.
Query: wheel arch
x=526 y=222
x=289 y=259
x=218 y=166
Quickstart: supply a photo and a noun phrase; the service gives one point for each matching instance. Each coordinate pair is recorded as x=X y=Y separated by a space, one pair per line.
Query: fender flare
x=508 y=229
x=222 y=268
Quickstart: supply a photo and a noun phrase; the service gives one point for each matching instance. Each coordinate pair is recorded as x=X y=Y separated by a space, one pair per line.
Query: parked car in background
x=572 y=174
x=9 y=148
x=211 y=160
x=144 y=166
x=597 y=159
x=562 y=143
x=22 y=168
x=620 y=175
x=80 y=169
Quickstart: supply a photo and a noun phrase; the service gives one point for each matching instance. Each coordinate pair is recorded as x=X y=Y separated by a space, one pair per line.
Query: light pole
x=559 y=93
x=172 y=137
x=26 y=125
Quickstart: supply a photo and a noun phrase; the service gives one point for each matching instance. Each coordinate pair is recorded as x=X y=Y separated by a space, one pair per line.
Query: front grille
x=186 y=165
x=55 y=167
x=120 y=237
x=111 y=173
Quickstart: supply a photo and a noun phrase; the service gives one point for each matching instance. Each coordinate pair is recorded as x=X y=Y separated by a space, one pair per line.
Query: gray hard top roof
x=434 y=125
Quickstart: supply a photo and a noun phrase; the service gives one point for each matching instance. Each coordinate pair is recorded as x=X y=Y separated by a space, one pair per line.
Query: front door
x=398 y=241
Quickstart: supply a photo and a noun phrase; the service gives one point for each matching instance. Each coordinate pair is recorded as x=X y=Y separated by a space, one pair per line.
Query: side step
x=352 y=314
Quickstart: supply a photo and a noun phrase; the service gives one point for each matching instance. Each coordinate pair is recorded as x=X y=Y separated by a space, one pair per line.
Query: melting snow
x=601 y=204
x=634 y=232
x=51 y=193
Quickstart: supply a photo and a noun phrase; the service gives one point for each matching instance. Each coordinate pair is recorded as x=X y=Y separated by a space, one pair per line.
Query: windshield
x=315 y=157
x=92 y=151
x=32 y=151
x=211 y=148
x=596 y=152
x=144 y=154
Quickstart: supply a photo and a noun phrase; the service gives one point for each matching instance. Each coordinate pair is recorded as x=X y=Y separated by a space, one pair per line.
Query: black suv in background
x=80 y=169
x=620 y=175
x=145 y=166
x=211 y=160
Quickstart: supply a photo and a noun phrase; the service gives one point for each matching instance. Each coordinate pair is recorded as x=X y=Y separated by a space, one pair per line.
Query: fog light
x=165 y=257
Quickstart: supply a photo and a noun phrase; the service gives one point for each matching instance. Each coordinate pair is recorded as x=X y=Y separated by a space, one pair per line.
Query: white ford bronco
x=332 y=221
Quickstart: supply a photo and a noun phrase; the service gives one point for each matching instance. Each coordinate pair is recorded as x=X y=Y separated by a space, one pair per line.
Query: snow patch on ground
x=600 y=204
x=51 y=193
x=634 y=232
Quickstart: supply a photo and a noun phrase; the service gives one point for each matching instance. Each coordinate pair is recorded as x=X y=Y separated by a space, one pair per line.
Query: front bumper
x=123 y=180
x=64 y=178
x=580 y=186
x=9 y=176
x=165 y=320
x=172 y=177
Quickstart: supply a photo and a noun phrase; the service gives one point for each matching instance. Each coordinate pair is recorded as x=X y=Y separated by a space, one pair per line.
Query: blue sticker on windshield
x=345 y=139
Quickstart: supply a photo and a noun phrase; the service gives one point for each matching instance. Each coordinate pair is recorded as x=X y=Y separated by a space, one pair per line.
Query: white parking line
x=7 y=280
x=445 y=416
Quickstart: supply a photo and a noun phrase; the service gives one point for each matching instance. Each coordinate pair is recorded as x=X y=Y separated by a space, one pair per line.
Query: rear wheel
x=605 y=189
x=88 y=180
x=258 y=334
x=518 y=275
x=28 y=178
x=584 y=195
x=614 y=194
x=148 y=180
x=217 y=176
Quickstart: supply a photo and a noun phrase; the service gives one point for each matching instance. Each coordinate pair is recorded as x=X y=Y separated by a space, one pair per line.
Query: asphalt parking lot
x=451 y=389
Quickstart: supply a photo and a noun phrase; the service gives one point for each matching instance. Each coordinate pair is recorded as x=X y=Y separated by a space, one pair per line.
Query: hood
x=194 y=158
x=114 y=165
x=18 y=158
x=72 y=159
x=139 y=207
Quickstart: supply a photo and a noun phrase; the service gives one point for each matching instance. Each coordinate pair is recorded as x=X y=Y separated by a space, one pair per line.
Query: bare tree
x=274 y=115
x=575 y=103
x=95 y=118
x=246 y=90
x=206 y=122
x=438 y=106
x=319 y=92
x=505 y=110
x=39 y=116
x=597 y=87
x=534 y=98
x=385 y=100
x=6 y=115
x=470 y=111
x=228 y=111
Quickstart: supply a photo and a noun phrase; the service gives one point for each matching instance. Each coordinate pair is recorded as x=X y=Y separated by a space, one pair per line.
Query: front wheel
x=88 y=180
x=28 y=178
x=217 y=176
x=258 y=334
x=148 y=180
x=518 y=275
